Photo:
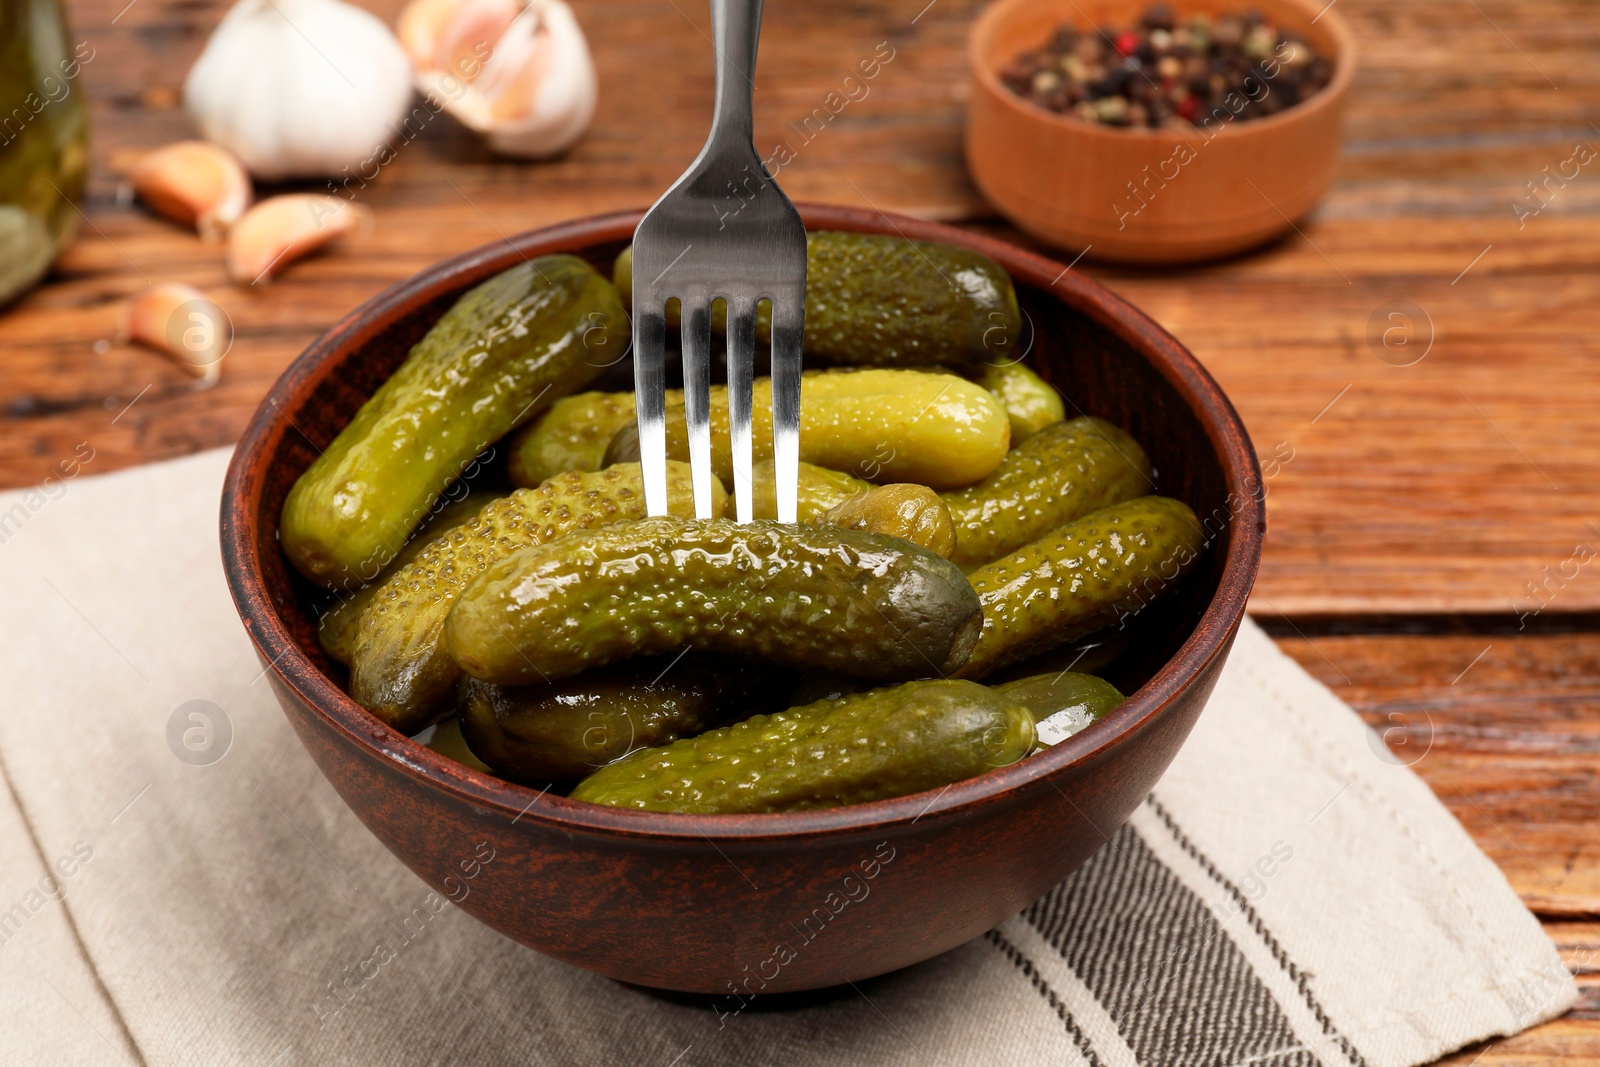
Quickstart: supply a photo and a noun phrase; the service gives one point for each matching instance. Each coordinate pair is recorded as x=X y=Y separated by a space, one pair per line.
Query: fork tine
x=696 y=328
x=788 y=316
x=741 y=367
x=650 y=402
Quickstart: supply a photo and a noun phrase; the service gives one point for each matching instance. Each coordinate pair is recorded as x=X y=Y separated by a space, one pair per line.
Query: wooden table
x=1422 y=507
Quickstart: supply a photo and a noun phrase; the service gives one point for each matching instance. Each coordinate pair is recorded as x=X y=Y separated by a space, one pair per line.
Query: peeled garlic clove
x=182 y=322
x=278 y=231
x=300 y=88
x=517 y=71
x=195 y=183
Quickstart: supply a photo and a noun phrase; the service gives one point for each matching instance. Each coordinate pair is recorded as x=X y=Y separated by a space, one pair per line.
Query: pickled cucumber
x=445 y=738
x=881 y=425
x=567 y=729
x=504 y=352
x=874 y=300
x=336 y=629
x=571 y=436
x=1086 y=575
x=1030 y=402
x=912 y=512
x=862 y=605
x=868 y=746
x=623 y=447
x=400 y=669
x=1063 y=471
x=1063 y=702
x=1089 y=655
x=820 y=489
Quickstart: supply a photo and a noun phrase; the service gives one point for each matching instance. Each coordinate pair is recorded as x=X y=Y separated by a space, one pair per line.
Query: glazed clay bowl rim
x=1331 y=95
x=432 y=771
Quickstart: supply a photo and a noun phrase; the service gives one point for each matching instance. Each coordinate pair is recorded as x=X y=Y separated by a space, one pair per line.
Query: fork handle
x=735 y=29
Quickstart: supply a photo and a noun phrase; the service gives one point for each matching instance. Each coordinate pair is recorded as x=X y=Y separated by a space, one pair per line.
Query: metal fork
x=725 y=230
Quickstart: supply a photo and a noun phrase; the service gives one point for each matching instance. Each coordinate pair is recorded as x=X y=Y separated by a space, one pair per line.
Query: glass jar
x=44 y=139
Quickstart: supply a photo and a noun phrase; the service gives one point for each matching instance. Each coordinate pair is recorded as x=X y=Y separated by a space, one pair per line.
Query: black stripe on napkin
x=1178 y=989
x=1301 y=980
x=1044 y=989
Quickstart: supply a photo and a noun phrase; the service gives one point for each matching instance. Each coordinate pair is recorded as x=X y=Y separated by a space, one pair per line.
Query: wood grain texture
x=1446 y=485
x=1438 y=487
x=1502 y=728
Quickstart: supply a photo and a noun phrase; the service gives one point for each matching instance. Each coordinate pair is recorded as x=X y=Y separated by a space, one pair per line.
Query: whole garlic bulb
x=517 y=71
x=299 y=88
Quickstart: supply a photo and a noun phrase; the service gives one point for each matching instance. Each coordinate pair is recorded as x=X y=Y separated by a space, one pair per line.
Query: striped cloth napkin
x=1288 y=895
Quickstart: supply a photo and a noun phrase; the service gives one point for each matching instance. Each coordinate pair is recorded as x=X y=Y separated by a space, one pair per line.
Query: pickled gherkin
x=867 y=746
x=1060 y=473
x=880 y=425
x=336 y=630
x=571 y=436
x=1062 y=702
x=1086 y=575
x=819 y=490
x=444 y=737
x=880 y=301
x=504 y=352
x=567 y=729
x=400 y=669
x=912 y=512
x=1031 y=402
x=866 y=606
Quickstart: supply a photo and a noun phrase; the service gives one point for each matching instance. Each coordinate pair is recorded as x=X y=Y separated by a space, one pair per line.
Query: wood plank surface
x=1416 y=492
x=1502 y=727
x=1449 y=484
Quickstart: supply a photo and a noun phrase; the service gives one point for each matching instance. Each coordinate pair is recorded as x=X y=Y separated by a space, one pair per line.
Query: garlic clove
x=180 y=321
x=278 y=231
x=300 y=88
x=419 y=27
x=195 y=183
x=466 y=39
x=526 y=83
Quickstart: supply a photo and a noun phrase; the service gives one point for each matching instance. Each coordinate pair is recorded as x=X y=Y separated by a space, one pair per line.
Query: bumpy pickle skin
x=336 y=630
x=1063 y=702
x=400 y=669
x=571 y=436
x=505 y=351
x=880 y=425
x=1086 y=575
x=868 y=746
x=912 y=512
x=864 y=606
x=1060 y=473
x=820 y=489
x=565 y=730
x=878 y=301
x=1031 y=403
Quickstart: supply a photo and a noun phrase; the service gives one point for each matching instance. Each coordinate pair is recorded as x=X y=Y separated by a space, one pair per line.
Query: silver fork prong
x=741 y=368
x=724 y=227
x=697 y=398
x=650 y=403
x=787 y=324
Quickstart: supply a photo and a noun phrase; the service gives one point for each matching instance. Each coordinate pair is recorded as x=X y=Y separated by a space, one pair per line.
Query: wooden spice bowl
x=1150 y=196
x=725 y=904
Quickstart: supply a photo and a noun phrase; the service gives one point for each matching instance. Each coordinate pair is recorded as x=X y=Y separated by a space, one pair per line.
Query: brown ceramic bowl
x=1079 y=185
x=700 y=903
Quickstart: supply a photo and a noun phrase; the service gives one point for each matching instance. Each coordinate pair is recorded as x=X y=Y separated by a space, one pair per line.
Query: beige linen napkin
x=178 y=885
